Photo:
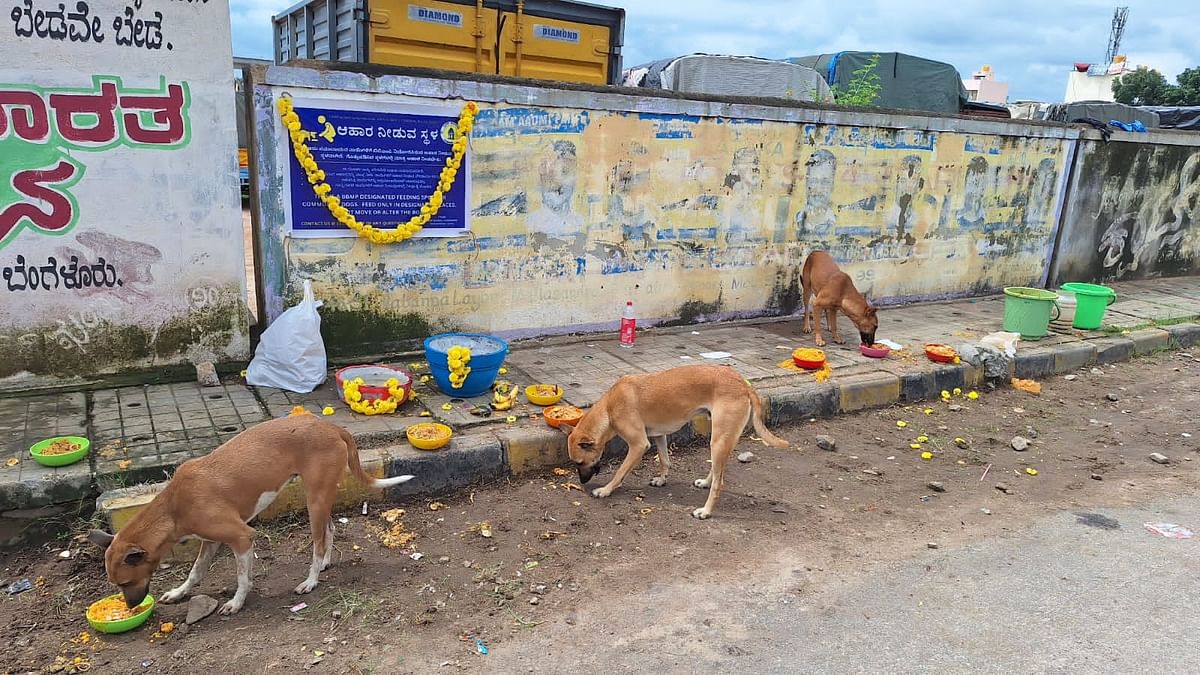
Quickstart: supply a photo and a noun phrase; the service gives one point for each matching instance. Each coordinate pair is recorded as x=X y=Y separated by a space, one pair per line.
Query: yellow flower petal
x=922 y=438
x=510 y=419
x=915 y=446
x=972 y=395
x=1031 y=471
x=504 y=371
x=901 y=423
x=447 y=406
x=426 y=413
x=957 y=391
x=327 y=410
x=928 y=411
x=945 y=394
x=926 y=455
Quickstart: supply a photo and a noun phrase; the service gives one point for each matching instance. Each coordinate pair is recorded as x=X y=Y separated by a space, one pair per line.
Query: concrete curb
x=488 y=454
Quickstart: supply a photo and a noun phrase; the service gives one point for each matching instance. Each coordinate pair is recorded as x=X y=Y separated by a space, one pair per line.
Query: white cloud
x=1029 y=43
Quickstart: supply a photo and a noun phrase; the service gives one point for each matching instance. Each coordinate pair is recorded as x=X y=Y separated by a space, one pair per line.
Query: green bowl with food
x=60 y=450
x=110 y=615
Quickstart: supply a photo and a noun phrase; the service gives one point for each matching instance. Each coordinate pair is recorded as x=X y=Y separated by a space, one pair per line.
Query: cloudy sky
x=1029 y=43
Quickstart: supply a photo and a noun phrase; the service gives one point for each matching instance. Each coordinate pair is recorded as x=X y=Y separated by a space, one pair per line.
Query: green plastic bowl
x=123 y=625
x=60 y=460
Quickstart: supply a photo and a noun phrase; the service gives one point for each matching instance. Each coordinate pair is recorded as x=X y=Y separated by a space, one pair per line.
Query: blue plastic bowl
x=487 y=355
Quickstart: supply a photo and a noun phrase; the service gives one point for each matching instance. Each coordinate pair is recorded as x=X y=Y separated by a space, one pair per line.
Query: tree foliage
x=1150 y=87
x=864 y=87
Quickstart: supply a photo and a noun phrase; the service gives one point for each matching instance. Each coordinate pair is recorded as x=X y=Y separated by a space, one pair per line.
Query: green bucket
x=1027 y=311
x=1091 y=300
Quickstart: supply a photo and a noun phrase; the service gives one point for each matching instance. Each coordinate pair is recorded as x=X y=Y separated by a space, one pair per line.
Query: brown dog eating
x=213 y=498
x=652 y=406
x=826 y=289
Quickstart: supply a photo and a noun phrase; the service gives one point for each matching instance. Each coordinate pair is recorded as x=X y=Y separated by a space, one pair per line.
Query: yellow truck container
x=542 y=39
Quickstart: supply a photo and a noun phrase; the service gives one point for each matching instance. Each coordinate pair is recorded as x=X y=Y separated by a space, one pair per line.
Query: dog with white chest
x=213 y=498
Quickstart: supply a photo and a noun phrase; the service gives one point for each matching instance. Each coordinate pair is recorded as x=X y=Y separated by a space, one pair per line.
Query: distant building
x=1093 y=82
x=983 y=87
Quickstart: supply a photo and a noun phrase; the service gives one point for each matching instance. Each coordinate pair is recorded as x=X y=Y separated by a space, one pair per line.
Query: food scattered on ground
x=941 y=350
x=60 y=447
x=545 y=389
x=11 y=462
x=113 y=608
x=124 y=464
x=394 y=536
x=298 y=410
x=1028 y=386
x=823 y=373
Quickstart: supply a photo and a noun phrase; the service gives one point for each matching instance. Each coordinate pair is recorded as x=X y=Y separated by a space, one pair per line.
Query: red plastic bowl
x=868 y=350
x=939 y=357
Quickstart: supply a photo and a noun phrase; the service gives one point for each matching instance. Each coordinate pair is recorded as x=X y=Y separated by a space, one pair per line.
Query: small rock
x=954 y=407
x=1070 y=378
x=335 y=614
x=535 y=600
x=872 y=472
x=1112 y=397
x=746 y=457
x=1020 y=443
x=936 y=486
x=1097 y=476
x=932 y=544
x=1159 y=458
x=1097 y=371
x=826 y=443
x=1031 y=432
x=778 y=509
x=206 y=375
x=986 y=512
x=199 y=607
x=444 y=559
x=1004 y=488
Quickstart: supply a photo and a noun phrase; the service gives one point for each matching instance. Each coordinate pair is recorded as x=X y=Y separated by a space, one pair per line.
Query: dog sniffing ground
x=555 y=553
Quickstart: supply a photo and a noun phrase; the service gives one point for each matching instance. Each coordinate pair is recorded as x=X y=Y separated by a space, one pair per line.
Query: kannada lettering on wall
x=43 y=130
x=118 y=185
x=383 y=164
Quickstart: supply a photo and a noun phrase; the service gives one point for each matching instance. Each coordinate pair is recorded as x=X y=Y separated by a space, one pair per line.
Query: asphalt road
x=1075 y=593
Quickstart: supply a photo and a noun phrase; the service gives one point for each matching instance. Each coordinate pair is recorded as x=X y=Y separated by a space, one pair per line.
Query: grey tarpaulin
x=1177 y=117
x=1103 y=111
x=730 y=76
x=908 y=82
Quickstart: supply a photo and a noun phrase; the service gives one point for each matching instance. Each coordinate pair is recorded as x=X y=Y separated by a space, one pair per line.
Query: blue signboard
x=383 y=166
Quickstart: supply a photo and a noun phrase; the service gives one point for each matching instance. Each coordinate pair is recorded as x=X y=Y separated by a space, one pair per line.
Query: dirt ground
x=792 y=519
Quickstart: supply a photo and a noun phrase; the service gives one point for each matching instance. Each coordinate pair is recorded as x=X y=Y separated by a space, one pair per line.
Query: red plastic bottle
x=628 y=326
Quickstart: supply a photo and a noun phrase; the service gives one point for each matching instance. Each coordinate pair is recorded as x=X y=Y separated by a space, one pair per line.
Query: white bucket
x=1066 y=306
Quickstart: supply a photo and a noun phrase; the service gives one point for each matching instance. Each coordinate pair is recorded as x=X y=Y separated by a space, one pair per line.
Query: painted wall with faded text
x=120 y=226
x=577 y=207
x=1133 y=211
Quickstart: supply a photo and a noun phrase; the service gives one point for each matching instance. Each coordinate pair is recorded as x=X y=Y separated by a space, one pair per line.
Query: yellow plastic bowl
x=422 y=443
x=531 y=393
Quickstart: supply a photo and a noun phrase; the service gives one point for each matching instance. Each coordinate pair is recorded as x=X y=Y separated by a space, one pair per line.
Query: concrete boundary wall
x=697 y=210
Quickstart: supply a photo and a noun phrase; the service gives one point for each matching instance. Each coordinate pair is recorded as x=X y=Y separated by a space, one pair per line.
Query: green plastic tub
x=1028 y=311
x=1091 y=301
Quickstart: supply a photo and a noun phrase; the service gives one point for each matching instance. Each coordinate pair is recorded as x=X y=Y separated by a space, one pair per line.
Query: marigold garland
x=324 y=192
x=457 y=359
x=354 y=397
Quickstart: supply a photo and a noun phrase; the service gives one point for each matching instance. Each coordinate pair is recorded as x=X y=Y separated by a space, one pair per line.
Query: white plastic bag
x=291 y=354
x=1004 y=342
